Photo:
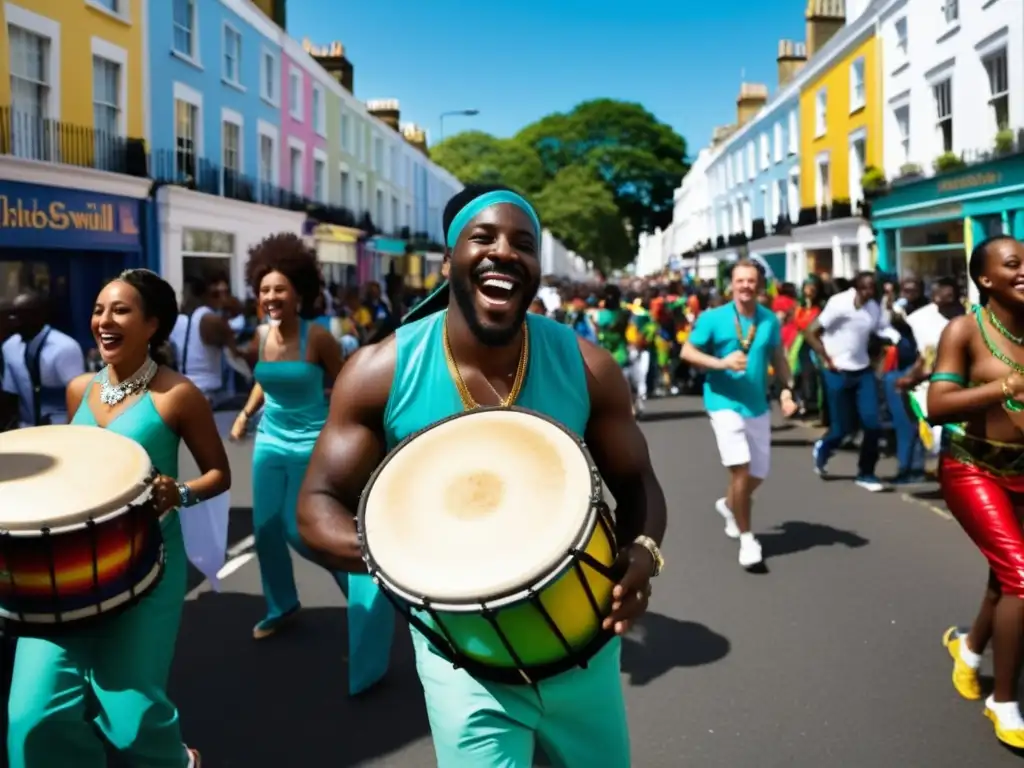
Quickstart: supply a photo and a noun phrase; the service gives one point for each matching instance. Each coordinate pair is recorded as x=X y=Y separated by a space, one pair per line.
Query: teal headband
x=486 y=200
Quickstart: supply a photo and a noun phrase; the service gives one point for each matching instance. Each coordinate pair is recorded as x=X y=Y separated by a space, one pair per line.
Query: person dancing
x=736 y=343
x=389 y=391
x=297 y=361
x=121 y=665
x=977 y=394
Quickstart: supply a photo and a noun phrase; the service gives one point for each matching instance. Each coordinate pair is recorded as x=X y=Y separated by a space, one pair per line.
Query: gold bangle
x=1007 y=392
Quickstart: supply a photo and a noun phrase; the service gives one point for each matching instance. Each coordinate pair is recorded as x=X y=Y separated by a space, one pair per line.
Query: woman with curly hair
x=121 y=666
x=296 y=361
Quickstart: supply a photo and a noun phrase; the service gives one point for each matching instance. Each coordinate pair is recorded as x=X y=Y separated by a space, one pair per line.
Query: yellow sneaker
x=1011 y=737
x=965 y=679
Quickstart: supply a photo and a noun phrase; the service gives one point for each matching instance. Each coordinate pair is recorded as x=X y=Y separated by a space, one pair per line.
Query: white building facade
x=953 y=76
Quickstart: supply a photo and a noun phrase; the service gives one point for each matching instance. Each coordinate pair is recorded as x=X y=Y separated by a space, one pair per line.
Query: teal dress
x=121 y=663
x=579 y=716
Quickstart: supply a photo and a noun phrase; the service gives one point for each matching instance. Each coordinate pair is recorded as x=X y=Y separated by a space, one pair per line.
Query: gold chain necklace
x=468 y=402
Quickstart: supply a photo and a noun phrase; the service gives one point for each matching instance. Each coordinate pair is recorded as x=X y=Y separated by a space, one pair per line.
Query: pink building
x=303 y=125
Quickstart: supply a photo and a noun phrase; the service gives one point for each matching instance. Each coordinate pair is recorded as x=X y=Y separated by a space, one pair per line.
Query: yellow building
x=840 y=136
x=78 y=62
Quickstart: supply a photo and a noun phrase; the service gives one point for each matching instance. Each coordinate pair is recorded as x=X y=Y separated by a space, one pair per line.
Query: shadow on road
x=793 y=442
x=797 y=536
x=651 y=416
x=284 y=701
x=658 y=644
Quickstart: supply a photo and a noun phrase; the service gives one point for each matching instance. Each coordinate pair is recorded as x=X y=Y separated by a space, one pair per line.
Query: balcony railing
x=32 y=137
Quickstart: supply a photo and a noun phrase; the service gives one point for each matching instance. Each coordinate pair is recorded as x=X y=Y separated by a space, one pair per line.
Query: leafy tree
x=580 y=211
x=478 y=157
x=640 y=159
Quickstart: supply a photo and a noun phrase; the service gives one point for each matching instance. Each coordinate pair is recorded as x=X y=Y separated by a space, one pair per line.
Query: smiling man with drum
x=472 y=344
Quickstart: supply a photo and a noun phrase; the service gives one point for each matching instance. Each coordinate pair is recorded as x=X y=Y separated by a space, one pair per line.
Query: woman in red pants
x=977 y=393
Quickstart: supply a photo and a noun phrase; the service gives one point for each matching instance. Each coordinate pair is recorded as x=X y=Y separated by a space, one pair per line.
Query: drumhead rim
x=507 y=596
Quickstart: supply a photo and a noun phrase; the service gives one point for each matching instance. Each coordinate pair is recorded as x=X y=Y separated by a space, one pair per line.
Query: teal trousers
x=117 y=670
x=278 y=470
x=578 y=717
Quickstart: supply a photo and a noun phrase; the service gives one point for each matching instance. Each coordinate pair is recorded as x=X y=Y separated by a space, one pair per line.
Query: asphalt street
x=832 y=657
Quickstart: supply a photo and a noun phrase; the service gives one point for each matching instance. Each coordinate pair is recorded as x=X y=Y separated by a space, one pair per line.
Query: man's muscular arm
x=349 y=449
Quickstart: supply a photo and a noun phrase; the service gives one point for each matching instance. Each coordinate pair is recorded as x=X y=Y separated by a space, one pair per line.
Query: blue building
x=755 y=178
x=215 y=98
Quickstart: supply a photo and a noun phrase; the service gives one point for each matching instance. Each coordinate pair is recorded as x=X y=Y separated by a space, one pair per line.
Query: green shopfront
x=926 y=228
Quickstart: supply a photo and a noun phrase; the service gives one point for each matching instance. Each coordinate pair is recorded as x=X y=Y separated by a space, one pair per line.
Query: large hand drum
x=489 y=531
x=78 y=536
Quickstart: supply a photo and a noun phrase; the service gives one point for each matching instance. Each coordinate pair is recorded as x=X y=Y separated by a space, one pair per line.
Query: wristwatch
x=652 y=546
x=185 y=494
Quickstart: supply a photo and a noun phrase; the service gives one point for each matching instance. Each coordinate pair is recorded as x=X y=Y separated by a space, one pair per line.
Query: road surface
x=830 y=658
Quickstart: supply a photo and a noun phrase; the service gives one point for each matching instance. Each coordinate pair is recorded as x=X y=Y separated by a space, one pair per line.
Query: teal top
x=423 y=392
x=715 y=333
x=142 y=423
x=295 y=406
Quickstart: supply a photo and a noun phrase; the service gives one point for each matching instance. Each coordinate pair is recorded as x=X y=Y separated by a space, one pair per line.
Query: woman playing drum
x=122 y=662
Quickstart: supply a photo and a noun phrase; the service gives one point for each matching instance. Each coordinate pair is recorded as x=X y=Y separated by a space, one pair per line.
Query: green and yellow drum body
x=489 y=532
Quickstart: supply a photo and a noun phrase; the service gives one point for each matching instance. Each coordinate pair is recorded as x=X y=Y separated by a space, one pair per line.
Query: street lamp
x=463 y=112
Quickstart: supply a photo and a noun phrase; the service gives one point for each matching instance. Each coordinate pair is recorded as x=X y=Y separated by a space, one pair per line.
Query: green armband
x=953 y=378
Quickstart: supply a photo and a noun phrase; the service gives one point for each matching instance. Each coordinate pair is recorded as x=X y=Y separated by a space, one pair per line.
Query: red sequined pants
x=989 y=508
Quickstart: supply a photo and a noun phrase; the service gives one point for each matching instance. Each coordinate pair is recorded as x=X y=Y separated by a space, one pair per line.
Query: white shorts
x=744 y=441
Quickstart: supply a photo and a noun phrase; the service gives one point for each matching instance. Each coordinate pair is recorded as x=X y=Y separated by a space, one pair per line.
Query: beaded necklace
x=1009 y=404
x=746 y=339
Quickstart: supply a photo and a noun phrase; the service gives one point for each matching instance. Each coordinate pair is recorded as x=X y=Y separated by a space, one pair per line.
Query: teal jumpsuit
x=295 y=410
x=579 y=717
x=121 y=663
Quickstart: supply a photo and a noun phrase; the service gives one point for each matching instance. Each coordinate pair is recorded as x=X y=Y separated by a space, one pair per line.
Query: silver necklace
x=112 y=394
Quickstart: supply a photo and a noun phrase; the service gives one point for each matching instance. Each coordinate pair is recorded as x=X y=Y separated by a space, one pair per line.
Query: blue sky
x=682 y=60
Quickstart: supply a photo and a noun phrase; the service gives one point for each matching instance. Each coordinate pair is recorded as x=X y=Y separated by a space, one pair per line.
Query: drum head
x=64 y=475
x=478 y=506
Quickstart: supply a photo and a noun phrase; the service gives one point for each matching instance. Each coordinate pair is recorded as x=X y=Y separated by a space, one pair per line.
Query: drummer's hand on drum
x=630 y=595
x=166 y=495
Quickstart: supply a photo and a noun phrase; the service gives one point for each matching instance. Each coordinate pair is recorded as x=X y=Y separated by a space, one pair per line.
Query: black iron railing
x=33 y=137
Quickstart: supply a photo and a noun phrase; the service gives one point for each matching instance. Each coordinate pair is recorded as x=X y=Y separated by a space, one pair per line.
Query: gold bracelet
x=1007 y=392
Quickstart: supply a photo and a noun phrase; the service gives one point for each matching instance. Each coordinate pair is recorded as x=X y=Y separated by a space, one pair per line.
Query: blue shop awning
x=388 y=245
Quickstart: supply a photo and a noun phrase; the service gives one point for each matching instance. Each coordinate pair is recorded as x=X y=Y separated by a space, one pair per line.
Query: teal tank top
x=295 y=407
x=423 y=392
x=142 y=423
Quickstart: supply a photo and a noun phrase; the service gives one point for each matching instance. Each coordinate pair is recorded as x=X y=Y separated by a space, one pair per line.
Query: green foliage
x=617 y=145
x=581 y=212
x=475 y=157
x=948 y=161
x=1005 y=140
x=873 y=179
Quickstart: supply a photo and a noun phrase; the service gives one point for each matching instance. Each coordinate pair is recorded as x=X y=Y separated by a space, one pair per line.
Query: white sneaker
x=750 y=552
x=731 y=529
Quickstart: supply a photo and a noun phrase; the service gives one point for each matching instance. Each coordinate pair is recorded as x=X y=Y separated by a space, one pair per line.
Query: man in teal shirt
x=736 y=343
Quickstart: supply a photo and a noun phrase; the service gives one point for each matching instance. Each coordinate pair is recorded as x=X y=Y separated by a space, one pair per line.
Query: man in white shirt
x=201 y=336
x=39 y=363
x=840 y=337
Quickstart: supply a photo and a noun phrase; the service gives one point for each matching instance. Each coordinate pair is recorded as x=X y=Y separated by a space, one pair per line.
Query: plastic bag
x=205 y=530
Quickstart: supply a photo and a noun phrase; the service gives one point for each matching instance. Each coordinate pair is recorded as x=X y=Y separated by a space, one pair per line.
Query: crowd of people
x=332 y=380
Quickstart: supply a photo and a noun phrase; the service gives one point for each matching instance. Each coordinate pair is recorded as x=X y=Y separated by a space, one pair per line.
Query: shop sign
x=335 y=234
x=205 y=241
x=36 y=216
x=970 y=182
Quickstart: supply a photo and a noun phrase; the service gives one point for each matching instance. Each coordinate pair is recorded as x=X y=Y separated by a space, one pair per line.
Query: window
x=346 y=132
x=777 y=140
x=186 y=127
x=944 y=113
x=857 y=97
x=379 y=218
x=394 y=215
x=295 y=169
x=766 y=151
x=793 y=200
x=794 y=132
x=858 y=162
x=751 y=159
x=378 y=154
x=231 y=147
x=268 y=77
x=395 y=169
x=295 y=94
x=232 y=54
x=184 y=21
x=820 y=112
x=951 y=11
x=267 y=160
x=823 y=191
x=346 y=192
x=106 y=89
x=360 y=196
x=902 y=43
x=902 y=115
x=30 y=93
x=114 y=6
x=320 y=180
x=998 y=84
x=319 y=114
x=766 y=210
x=407 y=221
